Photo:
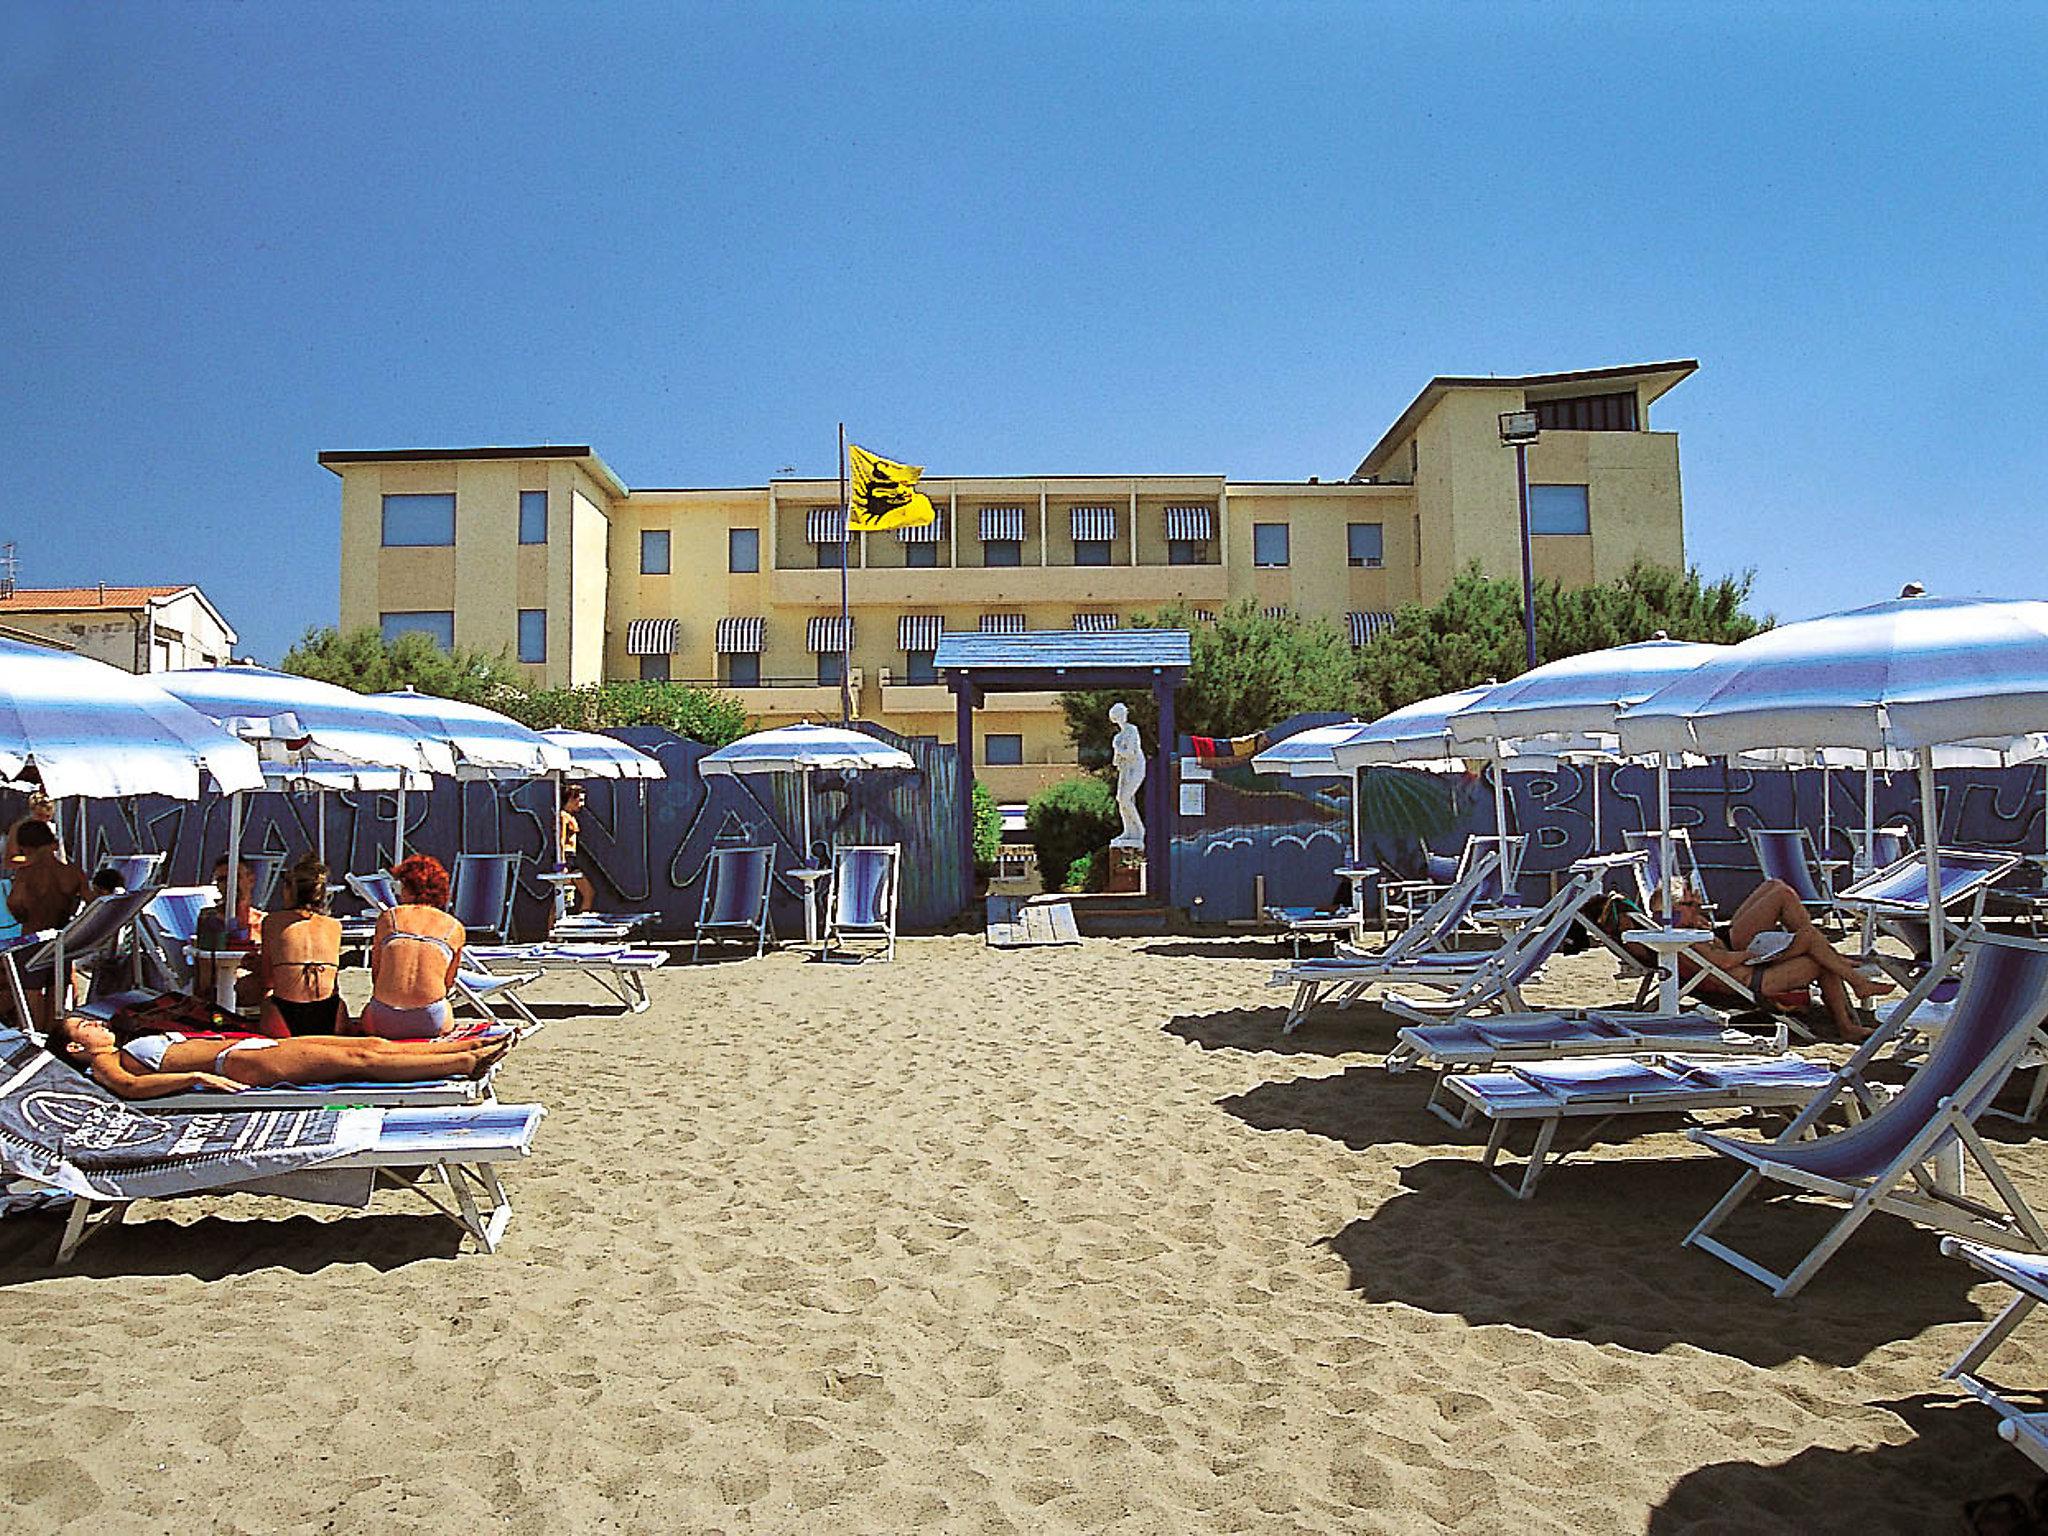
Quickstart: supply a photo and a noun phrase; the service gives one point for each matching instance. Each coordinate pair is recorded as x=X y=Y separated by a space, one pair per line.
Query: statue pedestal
x=1126 y=869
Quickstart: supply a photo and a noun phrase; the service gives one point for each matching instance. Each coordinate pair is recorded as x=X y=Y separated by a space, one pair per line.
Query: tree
x=1247 y=670
x=363 y=660
x=702 y=714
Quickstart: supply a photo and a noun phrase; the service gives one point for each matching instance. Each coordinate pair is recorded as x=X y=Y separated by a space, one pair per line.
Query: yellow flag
x=885 y=494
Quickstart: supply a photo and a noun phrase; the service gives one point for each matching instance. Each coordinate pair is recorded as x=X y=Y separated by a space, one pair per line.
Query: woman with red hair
x=414 y=956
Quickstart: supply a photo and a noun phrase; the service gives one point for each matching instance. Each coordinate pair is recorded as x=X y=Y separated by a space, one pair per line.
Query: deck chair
x=1789 y=854
x=862 y=900
x=377 y=891
x=621 y=969
x=167 y=929
x=61 y=1132
x=1908 y=1157
x=476 y=985
x=1882 y=846
x=1408 y=896
x=43 y=961
x=2027 y=1273
x=1893 y=902
x=1684 y=862
x=1604 y=1089
x=737 y=885
x=1344 y=917
x=481 y=892
x=265 y=870
x=134 y=870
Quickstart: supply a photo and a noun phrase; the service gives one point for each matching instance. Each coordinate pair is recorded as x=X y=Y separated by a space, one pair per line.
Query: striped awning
x=923 y=533
x=1190 y=523
x=1002 y=624
x=1363 y=626
x=826 y=525
x=828 y=632
x=740 y=637
x=1277 y=611
x=919 y=631
x=651 y=637
x=1204 y=615
x=1095 y=623
x=1093 y=523
x=1002 y=523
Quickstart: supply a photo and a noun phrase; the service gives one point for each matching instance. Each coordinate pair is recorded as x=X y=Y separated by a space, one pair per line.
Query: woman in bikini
x=301 y=957
x=414 y=957
x=149 y=1066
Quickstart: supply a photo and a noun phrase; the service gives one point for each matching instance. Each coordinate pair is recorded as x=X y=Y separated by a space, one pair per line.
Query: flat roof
x=1657 y=378
x=333 y=457
x=1065 y=650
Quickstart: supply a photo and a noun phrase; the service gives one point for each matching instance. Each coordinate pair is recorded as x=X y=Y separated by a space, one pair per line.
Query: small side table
x=564 y=881
x=1667 y=942
x=810 y=879
x=227 y=969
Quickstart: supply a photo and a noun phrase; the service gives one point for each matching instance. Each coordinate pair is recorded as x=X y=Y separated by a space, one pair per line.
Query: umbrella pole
x=1664 y=837
x=398 y=834
x=1827 y=810
x=320 y=823
x=1597 y=839
x=810 y=886
x=1869 y=811
x=1930 y=831
x=1500 y=811
x=230 y=899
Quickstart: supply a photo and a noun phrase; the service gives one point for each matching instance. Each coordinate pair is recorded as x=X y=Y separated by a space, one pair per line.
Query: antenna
x=10 y=566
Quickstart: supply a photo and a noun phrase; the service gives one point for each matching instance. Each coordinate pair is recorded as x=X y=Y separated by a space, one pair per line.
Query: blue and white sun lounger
x=621 y=969
x=1788 y=855
x=1894 y=900
x=737 y=885
x=1606 y=1088
x=1908 y=1157
x=2026 y=1273
x=61 y=1132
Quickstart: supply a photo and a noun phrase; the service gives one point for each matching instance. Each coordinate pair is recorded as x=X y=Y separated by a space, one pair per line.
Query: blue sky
x=1041 y=237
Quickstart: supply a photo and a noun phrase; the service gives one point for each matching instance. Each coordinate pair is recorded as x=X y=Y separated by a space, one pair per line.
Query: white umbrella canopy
x=258 y=704
x=1580 y=693
x=1411 y=735
x=604 y=757
x=1306 y=754
x=484 y=743
x=82 y=728
x=803 y=748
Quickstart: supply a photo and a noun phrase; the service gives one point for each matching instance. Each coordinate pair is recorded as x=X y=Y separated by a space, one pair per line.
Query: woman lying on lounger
x=149 y=1066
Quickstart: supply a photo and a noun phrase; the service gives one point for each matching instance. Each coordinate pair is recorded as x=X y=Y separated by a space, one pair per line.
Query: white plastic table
x=810 y=879
x=1667 y=942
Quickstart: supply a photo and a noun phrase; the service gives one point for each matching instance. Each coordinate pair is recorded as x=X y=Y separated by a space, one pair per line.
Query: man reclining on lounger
x=151 y=1066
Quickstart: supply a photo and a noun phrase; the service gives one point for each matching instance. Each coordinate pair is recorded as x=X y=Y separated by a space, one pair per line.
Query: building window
x=653 y=551
x=1587 y=413
x=830 y=555
x=742 y=669
x=831 y=667
x=921 y=557
x=654 y=669
x=533 y=634
x=419 y=522
x=1002 y=552
x=1269 y=544
x=743 y=549
x=1559 y=509
x=1187 y=551
x=533 y=517
x=437 y=625
x=918 y=668
x=1364 y=545
x=1000 y=750
x=1091 y=551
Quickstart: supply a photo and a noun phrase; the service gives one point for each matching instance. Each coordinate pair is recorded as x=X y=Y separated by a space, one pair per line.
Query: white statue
x=1127 y=752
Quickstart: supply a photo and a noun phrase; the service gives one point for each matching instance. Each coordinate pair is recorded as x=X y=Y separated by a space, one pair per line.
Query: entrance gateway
x=974 y=666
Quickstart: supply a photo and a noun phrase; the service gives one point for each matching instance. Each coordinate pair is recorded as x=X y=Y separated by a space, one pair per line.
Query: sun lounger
x=862 y=899
x=1606 y=1088
x=1908 y=1157
x=2027 y=1273
x=62 y=1132
x=481 y=890
x=134 y=870
x=378 y=891
x=621 y=969
x=1893 y=901
x=737 y=885
x=1404 y=899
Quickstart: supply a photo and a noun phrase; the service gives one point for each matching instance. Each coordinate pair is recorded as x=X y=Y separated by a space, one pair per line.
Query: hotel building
x=544 y=553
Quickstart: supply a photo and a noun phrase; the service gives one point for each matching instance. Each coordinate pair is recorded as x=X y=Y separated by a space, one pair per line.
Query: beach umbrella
x=298 y=775
x=1907 y=676
x=484 y=743
x=605 y=757
x=1306 y=754
x=78 y=727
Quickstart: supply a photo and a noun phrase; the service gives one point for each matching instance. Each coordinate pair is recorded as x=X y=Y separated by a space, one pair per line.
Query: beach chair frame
x=494 y=919
x=1790 y=855
x=93 y=930
x=837 y=927
x=759 y=923
x=1886 y=901
x=1404 y=894
x=2026 y=1431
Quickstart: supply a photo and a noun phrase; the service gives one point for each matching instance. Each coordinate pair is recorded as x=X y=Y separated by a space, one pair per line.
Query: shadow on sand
x=1361 y=1028
x=1261 y=947
x=215 y=1247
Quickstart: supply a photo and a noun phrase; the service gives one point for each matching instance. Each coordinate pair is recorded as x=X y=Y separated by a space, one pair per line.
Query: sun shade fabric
x=919 y=631
x=651 y=637
x=922 y=533
x=1002 y=623
x=740 y=637
x=1583 y=692
x=1189 y=522
x=604 y=757
x=794 y=748
x=485 y=742
x=1002 y=523
x=1363 y=626
x=1307 y=754
x=825 y=525
x=1277 y=611
x=260 y=705
x=1204 y=615
x=829 y=632
x=1092 y=524
x=1095 y=623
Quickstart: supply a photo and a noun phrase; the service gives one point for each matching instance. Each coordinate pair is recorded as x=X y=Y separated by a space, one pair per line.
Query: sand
x=1066 y=1240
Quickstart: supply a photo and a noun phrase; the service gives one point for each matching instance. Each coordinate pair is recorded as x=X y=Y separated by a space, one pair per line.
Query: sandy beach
x=1066 y=1240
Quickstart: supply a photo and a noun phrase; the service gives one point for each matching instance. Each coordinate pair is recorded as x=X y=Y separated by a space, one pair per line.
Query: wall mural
x=648 y=840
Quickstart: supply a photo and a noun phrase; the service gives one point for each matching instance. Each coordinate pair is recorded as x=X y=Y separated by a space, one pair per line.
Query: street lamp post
x=1518 y=430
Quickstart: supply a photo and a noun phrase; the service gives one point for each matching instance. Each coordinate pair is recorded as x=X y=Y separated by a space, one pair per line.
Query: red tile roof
x=66 y=599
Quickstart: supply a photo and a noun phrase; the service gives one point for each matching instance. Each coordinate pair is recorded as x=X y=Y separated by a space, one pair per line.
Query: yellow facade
x=1439 y=487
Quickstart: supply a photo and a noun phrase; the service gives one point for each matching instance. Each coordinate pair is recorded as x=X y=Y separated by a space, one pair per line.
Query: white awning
x=651 y=637
x=1093 y=523
x=1002 y=624
x=1095 y=623
x=1197 y=523
x=919 y=631
x=1363 y=626
x=828 y=632
x=1002 y=523
x=740 y=637
x=923 y=533
x=826 y=525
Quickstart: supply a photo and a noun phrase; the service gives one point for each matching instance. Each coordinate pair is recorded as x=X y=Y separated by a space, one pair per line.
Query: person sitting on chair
x=415 y=955
x=149 y=1066
x=46 y=893
x=301 y=958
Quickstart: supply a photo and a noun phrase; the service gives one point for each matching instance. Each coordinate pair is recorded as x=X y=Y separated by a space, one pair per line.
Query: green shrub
x=988 y=830
x=1068 y=821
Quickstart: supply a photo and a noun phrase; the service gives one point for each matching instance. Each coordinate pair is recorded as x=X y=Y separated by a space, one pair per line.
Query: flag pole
x=845 y=627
